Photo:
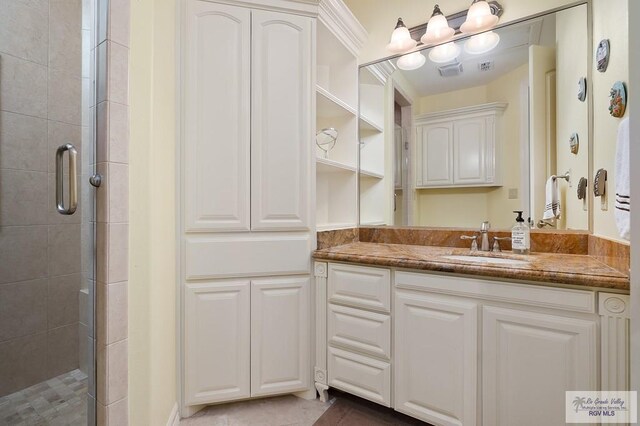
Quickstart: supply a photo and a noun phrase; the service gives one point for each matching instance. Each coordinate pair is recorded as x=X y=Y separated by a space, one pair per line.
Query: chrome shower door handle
x=73 y=180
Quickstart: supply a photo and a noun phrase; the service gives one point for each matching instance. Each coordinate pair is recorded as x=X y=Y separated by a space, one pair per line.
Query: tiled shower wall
x=112 y=212
x=43 y=77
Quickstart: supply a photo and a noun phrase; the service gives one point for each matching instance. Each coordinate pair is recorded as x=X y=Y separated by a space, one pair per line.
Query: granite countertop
x=573 y=269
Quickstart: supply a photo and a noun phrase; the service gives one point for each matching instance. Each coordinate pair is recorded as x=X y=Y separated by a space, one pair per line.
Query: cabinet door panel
x=360 y=286
x=281 y=120
x=360 y=330
x=280 y=331
x=360 y=375
x=469 y=151
x=217 y=342
x=435 y=155
x=436 y=372
x=246 y=255
x=216 y=116
x=529 y=361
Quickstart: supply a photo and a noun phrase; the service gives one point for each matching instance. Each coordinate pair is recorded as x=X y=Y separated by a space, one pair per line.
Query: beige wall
x=379 y=17
x=508 y=88
x=451 y=100
x=152 y=320
x=572 y=54
x=542 y=63
x=609 y=21
x=469 y=207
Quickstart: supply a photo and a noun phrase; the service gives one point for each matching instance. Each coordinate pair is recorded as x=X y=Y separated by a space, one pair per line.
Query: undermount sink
x=485 y=259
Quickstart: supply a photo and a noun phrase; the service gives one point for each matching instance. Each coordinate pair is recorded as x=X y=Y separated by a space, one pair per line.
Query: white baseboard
x=174 y=417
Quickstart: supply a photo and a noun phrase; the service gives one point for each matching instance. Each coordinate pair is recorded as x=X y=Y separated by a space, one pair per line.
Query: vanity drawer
x=360 y=286
x=359 y=375
x=525 y=294
x=360 y=330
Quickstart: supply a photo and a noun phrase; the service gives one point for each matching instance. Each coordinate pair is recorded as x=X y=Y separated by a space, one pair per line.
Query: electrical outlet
x=513 y=193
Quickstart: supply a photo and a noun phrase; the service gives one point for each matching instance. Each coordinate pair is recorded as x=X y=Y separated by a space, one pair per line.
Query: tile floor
x=279 y=411
x=61 y=401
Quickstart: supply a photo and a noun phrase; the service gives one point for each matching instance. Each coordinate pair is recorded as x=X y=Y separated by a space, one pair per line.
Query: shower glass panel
x=47 y=238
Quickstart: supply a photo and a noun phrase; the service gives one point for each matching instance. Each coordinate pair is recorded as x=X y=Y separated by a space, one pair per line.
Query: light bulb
x=401 y=40
x=438 y=29
x=444 y=53
x=479 y=18
x=412 y=61
x=482 y=43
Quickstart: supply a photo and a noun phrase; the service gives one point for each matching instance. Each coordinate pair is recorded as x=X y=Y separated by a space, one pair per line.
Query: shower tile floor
x=61 y=401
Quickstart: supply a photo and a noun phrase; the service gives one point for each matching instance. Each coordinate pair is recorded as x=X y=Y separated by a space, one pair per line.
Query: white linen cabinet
x=460 y=148
x=246 y=178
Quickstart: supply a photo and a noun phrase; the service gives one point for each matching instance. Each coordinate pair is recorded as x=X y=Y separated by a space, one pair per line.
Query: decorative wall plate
x=574 y=143
x=582 y=89
x=602 y=55
x=617 y=99
x=582 y=188
x=600 y=183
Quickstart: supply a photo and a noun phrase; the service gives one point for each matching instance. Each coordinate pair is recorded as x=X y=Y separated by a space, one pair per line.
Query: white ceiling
x=511 y=52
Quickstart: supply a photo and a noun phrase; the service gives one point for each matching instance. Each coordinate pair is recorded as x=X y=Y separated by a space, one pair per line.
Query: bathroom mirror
x=477 y=130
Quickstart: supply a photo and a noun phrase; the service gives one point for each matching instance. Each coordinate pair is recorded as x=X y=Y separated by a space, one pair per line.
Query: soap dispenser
x=520 y=235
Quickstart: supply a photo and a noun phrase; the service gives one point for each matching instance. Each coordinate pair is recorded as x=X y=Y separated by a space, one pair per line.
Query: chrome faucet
x=496 y=243
x=474 y=241
x=484 y=236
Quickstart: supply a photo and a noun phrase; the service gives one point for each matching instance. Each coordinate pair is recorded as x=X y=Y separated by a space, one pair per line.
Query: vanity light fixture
x=479 y=18
x=401 y=40
x=482 y=43
x=438 y=29
x=411 y=61
x=444 y=53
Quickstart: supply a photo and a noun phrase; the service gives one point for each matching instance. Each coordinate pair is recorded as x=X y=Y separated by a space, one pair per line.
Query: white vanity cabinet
x=436 y=365
x=359 y=331
x=246 y=185
x=533 y=344
x=466 y=351
x=530 y=359
x=459 y=147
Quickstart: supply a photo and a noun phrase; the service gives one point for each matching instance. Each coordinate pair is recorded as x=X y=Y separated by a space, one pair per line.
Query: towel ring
x=566 y=176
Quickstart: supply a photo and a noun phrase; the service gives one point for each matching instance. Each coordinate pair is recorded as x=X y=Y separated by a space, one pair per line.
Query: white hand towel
x=623 y=199
x=552 y=204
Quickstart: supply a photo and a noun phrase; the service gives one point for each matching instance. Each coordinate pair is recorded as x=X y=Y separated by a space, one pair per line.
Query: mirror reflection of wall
x=475 y=137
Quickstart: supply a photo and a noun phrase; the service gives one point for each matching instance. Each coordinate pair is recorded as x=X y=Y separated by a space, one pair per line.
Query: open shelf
x=329 y=105
x=336 y=107
x=336 y=197
x=367 y=125
x=370 y=174
x=375 y=204
x=325 y=165
x=337 y=67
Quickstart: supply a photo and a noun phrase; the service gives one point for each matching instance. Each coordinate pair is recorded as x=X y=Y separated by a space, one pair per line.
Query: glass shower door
x=47 y=250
